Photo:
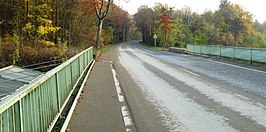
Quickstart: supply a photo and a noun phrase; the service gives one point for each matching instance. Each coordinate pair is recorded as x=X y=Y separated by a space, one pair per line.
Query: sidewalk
x=98 y=109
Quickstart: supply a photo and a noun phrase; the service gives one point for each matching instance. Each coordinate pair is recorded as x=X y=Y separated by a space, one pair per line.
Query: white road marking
x=232 y=65
x=120 y=96
x=128 y=122
x=238 y=66
x=189 y=72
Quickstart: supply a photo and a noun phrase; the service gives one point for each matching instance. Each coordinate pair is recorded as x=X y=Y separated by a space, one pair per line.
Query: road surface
x=178 y=92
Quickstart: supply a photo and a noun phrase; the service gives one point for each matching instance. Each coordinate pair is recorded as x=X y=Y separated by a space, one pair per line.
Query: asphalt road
x=177 y=92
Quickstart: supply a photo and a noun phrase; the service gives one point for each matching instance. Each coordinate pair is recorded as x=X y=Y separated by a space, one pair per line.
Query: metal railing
x=248 y=54
x=37 y=106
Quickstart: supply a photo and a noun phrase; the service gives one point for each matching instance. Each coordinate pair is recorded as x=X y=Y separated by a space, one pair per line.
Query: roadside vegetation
x=155 y=48
x=36 y=31
x=230 y=25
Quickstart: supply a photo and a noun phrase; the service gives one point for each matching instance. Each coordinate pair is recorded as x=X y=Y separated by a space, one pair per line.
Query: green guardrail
x=36 y=107
x=248 y=54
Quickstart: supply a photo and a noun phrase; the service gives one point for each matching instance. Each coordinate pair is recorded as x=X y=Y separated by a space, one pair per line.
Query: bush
x=7 y=48
x=41 y=53
x=27 y=54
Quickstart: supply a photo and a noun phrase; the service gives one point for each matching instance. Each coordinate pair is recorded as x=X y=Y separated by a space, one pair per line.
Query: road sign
x=155 y=36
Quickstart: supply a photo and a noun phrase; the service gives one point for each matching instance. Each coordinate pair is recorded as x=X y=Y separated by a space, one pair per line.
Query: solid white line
x=238 y=66
x=254 y=70
x=189 y=72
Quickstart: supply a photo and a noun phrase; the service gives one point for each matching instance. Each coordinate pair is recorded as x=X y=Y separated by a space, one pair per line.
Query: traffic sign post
x=155 y=37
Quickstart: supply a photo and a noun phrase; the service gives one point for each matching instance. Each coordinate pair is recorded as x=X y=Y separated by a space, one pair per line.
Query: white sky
x=256 y=7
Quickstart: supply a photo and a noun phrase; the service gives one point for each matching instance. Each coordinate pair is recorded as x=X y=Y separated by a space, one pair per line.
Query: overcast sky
x=256 y=7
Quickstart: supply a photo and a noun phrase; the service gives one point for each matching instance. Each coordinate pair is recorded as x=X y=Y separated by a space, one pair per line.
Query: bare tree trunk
x=99 y=34
x=101 y=13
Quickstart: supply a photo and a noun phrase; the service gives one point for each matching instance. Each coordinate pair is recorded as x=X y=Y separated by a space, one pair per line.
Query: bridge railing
x=36 y=107
x=248 y=54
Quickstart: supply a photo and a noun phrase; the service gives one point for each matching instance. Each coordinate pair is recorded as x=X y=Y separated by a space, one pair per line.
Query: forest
x=230 y=25
x=34 y=31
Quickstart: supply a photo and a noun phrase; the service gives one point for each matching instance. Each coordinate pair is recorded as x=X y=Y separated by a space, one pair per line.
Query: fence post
x=234 y=53
x=20 y=115
x=251 y=56
x=220 y=52
x=58 y=91
x=71 y=76
x=201 y=49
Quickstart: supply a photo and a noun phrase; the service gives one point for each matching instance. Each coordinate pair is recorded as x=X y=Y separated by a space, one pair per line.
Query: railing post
x=71 y=76
x=234 y=53
x=220 y=52
x=201 y=49
x=20 y=115
x=79 y=65
x=251 y=56
x=58 y=91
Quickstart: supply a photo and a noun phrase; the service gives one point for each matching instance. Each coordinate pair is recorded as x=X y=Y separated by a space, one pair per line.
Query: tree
x=120 y=21
x=165 y=20
x=102 y=8
x=181 y=34
x=145 y=22
x=39 y=26
x=233 y=22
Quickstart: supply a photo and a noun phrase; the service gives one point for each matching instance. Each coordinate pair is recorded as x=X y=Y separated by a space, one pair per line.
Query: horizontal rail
x=36 y=106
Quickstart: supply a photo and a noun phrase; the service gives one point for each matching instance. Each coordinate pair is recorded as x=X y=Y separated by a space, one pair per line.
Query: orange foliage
x=89 y=6
x=119 y=17
x=166 y=21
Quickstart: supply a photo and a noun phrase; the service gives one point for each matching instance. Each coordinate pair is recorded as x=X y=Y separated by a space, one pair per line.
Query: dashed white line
x=128 y=122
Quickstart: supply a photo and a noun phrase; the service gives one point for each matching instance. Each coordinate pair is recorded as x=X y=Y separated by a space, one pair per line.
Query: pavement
x=98 y=109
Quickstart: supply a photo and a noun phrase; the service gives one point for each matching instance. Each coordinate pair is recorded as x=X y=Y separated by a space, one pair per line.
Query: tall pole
x=155 y=42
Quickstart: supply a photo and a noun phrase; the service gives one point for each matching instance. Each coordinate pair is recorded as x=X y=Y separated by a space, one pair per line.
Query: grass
x=159 y=48
x=105 y=49
x=154 y=48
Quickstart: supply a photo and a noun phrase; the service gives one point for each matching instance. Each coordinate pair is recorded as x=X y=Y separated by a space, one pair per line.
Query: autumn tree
x=33 y=31
x=165 y=20
x=233 y=22
x=120 y=21
x=230 y=25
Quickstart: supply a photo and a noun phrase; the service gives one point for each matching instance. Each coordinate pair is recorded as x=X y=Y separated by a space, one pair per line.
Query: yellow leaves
x=43 y=30
x=45 y=21
x=28 y=27
x=48 y=43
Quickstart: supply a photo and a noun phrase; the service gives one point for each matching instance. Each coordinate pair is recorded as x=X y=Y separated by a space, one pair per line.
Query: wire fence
x=241 y=53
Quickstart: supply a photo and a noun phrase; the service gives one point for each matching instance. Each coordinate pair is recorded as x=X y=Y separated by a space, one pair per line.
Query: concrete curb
x=178 y=50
